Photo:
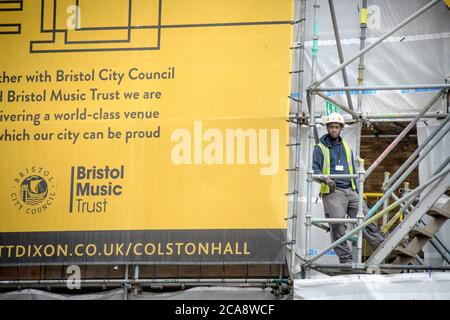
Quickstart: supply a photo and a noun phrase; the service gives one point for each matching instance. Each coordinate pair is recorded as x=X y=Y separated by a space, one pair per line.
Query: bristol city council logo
x=34 y=190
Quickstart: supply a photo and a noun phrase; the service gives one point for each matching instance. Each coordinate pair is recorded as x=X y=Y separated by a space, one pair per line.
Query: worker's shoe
x=345 y=260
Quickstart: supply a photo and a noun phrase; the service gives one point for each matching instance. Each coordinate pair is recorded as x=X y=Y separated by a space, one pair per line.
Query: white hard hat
x=335 y=118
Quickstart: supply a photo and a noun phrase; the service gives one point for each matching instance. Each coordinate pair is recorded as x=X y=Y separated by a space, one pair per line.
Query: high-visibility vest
x=324 y=188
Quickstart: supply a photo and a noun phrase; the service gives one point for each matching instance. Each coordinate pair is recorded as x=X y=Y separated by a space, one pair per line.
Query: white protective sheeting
x=430 y=163
x=212 y=293
x=409 y=286
x=416 y=54
x=33 y=294
x=198 y=293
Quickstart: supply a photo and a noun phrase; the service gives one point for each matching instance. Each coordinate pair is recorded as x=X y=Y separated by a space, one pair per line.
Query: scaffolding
x=440 y=178
x=300 y=259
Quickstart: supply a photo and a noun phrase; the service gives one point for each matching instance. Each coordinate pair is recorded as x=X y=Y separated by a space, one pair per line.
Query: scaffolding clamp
x=127 y=285
x=298 y=21
x=298 y=46
x=293 y=144
x=295 y=99
x=292 y=121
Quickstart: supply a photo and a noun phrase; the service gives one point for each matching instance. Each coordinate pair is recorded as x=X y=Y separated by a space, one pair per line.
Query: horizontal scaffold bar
x=334 y=220
x=384 y=88
x=337 y=176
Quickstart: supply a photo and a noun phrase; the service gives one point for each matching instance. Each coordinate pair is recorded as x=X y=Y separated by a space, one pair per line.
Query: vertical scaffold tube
x=386 y=202
x=363 y=25
x=301 y=33
x=136 y=278
x=125 y=283
x=360 y=169
x=360 y=215
x=312 y=123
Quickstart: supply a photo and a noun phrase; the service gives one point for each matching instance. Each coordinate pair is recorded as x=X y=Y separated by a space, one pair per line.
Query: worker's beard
x=334 y=137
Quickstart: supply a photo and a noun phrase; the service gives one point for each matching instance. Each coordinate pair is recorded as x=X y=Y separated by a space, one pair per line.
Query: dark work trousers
x=339 y=204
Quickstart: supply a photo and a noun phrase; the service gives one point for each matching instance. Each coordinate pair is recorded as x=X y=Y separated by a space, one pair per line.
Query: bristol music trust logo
x=94 y=188
x=33 y=190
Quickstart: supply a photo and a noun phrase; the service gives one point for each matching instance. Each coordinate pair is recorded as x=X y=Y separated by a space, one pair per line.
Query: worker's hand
x=330 y=183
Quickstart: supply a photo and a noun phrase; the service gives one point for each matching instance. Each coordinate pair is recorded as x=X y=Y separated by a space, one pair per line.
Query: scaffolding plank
x=438 y=213
x=421 y=232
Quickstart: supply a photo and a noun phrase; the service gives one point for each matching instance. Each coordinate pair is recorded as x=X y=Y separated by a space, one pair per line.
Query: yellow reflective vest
x=324 y=188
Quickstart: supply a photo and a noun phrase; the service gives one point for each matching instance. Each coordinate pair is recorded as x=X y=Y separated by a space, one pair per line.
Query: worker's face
x=334 y=129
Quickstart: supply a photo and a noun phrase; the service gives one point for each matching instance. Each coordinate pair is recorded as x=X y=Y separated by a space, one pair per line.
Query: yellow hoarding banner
x=144 y=122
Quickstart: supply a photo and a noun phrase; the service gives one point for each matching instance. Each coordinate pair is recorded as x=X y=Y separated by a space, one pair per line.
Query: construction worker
x=340 y=196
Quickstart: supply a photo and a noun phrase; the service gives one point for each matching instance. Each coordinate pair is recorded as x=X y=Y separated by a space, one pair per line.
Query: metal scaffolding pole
x=386 y=136
x=404 y=133
x=411 y=267
x=406 y=173
x=340 y=52
x=416 y=152
x=334 y=220
x=374 y=44
x=301 y=48
x=363 y=26
x=347 y=236
x=347 y=266
x=141 y=263
x=389 y=117
x=126 y=283
x=136 y=278
x=311 y=137
x=339 y=176
x=427 y=200
x=434 y=86
x=386 y=202
x=360 y=215
x=435 y=241
x=350 y=111
x=269 y=282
